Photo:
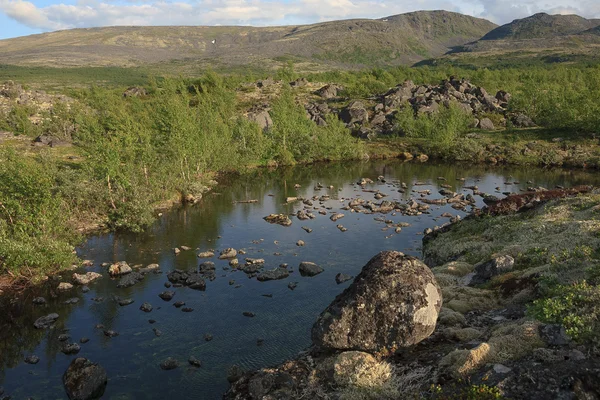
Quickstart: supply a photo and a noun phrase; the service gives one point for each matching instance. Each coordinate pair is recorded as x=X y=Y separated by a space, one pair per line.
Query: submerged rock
x=341 y=278
x=130 y=279
x=39 y=301
x=33 y=359
x=85 y=380
x=394 y=302
x=194 y=362
x=273 y=274
x=46 y=321
x=168 y=364
x=71 y=348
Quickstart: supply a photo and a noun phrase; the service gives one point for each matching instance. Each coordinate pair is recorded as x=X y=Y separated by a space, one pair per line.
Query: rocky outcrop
x=85 y=380
x=394 y=302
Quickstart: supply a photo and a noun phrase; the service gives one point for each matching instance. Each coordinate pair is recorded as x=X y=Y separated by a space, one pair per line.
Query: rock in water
x=341 y=278
x=86 y=278
x=45 y=322
x=228 y=253
x=309 y=269
x=273 y=274
x=84 y=380
x=169 y=364
x=120 y=268
x=394 y=302
x=280 y=219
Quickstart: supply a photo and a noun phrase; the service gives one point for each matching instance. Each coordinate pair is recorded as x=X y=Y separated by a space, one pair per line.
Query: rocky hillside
x=400 y=39
x=542 y=25
x=540 y=34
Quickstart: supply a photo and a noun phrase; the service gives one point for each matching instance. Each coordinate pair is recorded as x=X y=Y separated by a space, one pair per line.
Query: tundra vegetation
x=115 y=159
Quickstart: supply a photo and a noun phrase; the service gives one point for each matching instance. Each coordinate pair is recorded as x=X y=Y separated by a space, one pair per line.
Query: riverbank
x=519 y=317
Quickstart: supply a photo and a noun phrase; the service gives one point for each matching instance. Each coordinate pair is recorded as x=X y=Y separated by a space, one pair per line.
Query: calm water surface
x=283 y=321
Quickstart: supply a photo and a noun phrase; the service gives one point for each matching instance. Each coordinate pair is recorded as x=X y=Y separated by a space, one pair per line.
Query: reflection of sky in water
x=283 y=320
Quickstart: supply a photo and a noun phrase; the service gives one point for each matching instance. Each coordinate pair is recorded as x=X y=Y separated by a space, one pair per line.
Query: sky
x=22 y=17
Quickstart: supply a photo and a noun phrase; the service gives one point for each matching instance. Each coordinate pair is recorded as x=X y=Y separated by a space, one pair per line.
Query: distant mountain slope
x=399 y=39
x=538 y=38
x=540 y=26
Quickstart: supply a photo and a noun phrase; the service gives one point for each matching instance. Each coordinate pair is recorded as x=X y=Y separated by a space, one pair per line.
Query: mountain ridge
x=397 y=39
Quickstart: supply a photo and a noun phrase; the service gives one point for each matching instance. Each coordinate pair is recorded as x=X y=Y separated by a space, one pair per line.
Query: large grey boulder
x=262 y=118
x=394 y=302
x=84 y=380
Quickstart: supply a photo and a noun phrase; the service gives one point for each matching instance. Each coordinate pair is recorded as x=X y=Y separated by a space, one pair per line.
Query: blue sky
x=21 y=17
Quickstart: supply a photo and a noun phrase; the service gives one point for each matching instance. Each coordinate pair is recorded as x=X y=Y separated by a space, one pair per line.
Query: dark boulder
x=71 y=348
x=309 y=269
x=167 y=295
x=84 y=380
x=130 y=279
x=394 y=302
x=341 y=278
x=355 y=112
x=485 y=271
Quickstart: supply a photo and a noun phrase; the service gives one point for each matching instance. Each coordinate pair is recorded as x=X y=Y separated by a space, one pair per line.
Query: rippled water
x=283 y=320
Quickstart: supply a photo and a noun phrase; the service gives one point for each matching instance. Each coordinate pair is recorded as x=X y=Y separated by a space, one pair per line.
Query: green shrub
x=443 y=127
x=575 y=306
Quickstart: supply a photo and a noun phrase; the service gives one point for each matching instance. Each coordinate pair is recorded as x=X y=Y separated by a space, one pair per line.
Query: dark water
x=283 y=321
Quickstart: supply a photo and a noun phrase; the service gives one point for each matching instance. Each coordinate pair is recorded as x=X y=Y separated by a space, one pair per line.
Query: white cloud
x=89 y=13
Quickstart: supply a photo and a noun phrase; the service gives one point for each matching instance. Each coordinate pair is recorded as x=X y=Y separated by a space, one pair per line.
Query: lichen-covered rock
x=84 y=380
x=280 y=219
x=394 y=302
x=228 y=253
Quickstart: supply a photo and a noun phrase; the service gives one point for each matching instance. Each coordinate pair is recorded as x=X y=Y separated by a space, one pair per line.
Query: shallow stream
x=283 y=317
